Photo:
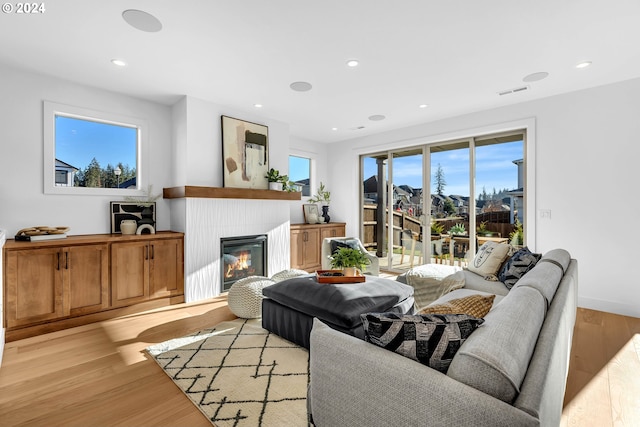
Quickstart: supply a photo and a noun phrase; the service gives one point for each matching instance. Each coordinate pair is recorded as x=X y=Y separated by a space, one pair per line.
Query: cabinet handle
x=306 y=237
x=146 y=252
x=66 y=260
x=153 y=252
x=58 y=263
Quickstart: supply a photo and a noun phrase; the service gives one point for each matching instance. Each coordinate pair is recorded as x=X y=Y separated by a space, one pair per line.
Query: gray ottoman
x=289 y=306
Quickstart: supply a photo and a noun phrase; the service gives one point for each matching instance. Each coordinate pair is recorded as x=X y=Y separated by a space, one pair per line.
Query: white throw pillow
x=489 y=259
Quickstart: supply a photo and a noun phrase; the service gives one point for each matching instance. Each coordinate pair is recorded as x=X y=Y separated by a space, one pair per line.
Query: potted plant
x=276 y=181
x=323 y=197
x=458 y=230
x=349 y=260
x=484 y=231
x=437 y=228
x=516 y=237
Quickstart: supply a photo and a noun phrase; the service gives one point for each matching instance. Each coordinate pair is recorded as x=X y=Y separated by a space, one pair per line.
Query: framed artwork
x=311 y=213
x=245 y=154
x=131 y=210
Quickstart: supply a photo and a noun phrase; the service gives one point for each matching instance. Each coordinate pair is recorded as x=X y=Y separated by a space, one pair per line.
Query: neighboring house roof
x=131 y=182
x=60 y=163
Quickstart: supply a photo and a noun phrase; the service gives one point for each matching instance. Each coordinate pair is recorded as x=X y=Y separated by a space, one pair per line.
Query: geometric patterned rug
x=239 y=374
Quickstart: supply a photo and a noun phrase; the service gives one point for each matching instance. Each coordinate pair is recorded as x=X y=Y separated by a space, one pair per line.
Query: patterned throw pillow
x=488 y=260
x=473 y=305
x=517 y=266
x=431 y=339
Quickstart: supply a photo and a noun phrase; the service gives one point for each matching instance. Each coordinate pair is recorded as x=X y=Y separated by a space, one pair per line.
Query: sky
x=494 y=168
x=79 y=141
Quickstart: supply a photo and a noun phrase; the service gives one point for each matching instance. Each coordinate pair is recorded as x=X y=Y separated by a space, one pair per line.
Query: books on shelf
x=39 y=237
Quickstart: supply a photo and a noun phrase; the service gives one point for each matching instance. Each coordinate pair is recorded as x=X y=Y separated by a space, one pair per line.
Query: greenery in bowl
x=274 y=176
x=458 y=230
x=349 y=257
x=437 y=227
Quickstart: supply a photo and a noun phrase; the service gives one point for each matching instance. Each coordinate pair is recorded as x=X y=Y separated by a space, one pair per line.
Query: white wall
x=318 y=154
x=586 y=174
x=22 y=201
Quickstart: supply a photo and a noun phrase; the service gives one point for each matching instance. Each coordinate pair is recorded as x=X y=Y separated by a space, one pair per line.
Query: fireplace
x=242 y=257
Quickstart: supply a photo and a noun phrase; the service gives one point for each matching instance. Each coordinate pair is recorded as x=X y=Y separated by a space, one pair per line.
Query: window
x=92 y=152
x=300 y=173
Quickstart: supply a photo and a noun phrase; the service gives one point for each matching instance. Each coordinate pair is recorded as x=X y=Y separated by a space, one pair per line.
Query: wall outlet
x=545 y=213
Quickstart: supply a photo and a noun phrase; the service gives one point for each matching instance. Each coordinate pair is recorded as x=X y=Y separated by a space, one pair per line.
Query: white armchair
x=373 y=268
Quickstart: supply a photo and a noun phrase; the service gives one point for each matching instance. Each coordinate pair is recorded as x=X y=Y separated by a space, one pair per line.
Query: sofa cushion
x=517 y=266
x=477 y=283
x=428 y=285
x=431 y=339
x=496 y=357
x=547 y=273
x=473 y=305
x=488 y=260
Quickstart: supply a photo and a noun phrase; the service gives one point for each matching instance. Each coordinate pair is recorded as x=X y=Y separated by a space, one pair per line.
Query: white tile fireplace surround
x=206 y=220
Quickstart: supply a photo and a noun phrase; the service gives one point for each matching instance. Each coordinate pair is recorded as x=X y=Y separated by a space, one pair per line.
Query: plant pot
x=350 y=271
x=275 y=186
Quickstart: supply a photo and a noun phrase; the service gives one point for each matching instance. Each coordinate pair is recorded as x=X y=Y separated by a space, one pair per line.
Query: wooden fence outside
x=495 y=221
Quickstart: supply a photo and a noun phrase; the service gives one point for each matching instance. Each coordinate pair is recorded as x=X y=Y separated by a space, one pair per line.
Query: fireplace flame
x=238 y=266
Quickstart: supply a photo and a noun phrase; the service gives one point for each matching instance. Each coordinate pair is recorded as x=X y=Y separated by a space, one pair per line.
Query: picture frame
x=130 y=210
x=309 y=211
x=245 y=154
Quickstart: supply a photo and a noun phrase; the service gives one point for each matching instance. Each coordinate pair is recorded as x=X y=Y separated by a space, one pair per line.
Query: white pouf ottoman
x=245 y=296
x=288 y=274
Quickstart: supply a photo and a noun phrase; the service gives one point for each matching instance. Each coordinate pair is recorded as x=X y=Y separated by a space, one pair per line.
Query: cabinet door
x=311 y=245
x=336 y=231
x=87 y=270
x=297 y=247
x=34 y=286
x=129 y=273
x=166 y=268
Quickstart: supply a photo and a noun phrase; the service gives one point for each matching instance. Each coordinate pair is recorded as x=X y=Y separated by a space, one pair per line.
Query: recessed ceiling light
x=352 y=63
x=119 y=62
x=536 y=77
x=257 y=105
x=334 y=128
x=422 y=106
x=142 y=21
x=301 y=86
x=583 y=64
x=377 y=117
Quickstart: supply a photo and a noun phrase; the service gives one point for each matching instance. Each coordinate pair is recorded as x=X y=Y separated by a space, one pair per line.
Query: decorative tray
x=336 y=276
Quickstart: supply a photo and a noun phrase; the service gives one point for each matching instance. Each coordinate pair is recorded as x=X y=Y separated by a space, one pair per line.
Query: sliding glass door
x=444 y=201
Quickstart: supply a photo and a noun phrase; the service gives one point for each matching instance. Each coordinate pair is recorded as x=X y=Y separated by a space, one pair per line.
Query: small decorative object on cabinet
x=306 y=243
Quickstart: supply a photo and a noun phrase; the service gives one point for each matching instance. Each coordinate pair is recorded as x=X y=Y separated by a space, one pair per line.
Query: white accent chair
x=373 y=268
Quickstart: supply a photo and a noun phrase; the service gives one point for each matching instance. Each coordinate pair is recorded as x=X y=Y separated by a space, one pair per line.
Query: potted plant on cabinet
x=350 y=260
x=323 y=197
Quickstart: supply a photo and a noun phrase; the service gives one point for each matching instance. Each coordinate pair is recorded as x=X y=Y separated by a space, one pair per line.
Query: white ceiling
x=454 y=56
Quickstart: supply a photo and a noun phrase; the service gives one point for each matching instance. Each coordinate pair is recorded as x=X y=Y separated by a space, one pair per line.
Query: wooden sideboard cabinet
x=306 y=243
x=56 y=284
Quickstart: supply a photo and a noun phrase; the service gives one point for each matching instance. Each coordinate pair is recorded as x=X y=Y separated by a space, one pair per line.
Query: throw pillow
x=337 y=244
x=473 y=305
x=488 y=260
x=517 y=266
x=431 y=339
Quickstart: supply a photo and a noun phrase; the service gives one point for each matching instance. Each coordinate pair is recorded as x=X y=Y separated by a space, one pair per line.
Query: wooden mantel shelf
x=227 y=193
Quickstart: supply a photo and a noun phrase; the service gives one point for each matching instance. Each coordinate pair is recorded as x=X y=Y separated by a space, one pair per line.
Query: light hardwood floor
x=98 y=374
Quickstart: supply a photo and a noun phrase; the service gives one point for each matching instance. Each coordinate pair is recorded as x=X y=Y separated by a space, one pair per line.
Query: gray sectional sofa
x=510 y=372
